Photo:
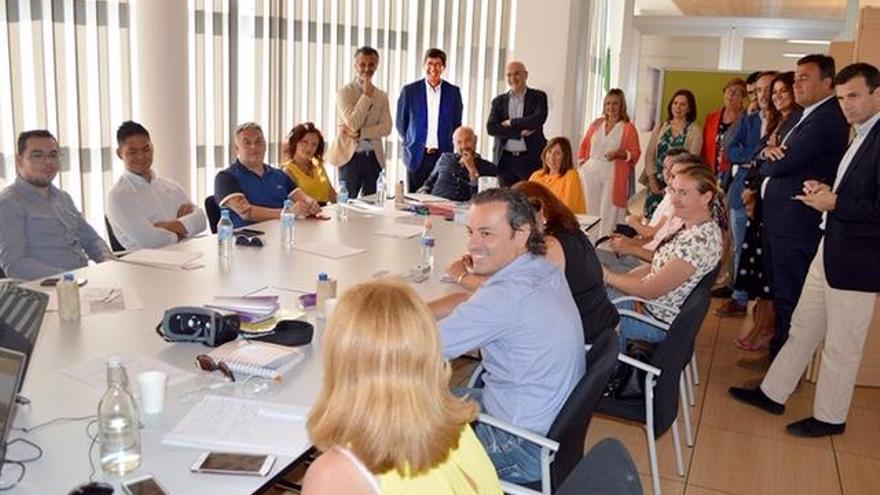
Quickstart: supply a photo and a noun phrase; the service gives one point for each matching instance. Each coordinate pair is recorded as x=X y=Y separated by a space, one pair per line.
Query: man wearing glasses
x=41 y=231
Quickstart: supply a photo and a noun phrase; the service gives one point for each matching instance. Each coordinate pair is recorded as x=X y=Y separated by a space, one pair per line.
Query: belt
x=515 y=153
x=431 y=151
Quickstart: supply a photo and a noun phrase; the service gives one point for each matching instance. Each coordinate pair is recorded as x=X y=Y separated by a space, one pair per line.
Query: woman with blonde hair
x=385 y=418
x=559 y=175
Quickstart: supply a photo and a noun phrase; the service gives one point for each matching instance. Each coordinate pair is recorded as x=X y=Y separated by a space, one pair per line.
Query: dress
x=566 y=187
x=666 y=142
x=316 y=184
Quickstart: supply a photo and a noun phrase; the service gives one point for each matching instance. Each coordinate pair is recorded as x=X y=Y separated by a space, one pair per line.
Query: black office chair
x=2 y=274
x=563 y=447
x=115 y=245
x=607 y=469
x=658 y=408
x=213 y=212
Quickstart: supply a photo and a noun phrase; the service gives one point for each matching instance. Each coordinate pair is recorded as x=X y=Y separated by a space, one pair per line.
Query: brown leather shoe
x=731 y=308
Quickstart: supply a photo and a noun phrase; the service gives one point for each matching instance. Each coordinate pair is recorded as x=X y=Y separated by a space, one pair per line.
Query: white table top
x=60 y=345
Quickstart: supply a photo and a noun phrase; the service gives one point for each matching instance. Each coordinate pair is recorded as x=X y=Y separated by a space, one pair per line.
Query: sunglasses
x=243 y=240
x=207 y=363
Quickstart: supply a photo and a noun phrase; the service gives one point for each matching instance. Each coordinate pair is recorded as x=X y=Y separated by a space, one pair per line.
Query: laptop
x=21 y=316
x=12 y=366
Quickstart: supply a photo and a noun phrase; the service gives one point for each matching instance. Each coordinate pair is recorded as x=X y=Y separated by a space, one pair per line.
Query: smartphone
x=52 y=282
x=143 y=485
x=231 y=463
x=249 y=232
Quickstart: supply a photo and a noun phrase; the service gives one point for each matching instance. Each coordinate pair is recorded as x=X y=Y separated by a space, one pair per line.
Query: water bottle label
x=428 y=242
x=287 y=220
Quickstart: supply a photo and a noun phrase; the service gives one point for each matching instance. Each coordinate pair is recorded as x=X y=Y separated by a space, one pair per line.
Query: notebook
x=262 y=359
x=163 y=258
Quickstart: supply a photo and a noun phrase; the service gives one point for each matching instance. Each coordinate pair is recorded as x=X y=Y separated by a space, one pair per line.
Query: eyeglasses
x=39 y=156
x=207 y=363
x=243 y=240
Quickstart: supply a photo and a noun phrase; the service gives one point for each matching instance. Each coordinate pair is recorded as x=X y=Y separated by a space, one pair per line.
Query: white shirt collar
x=863 y=129
x=809 y=109
x=137 y=179
x=429 y=88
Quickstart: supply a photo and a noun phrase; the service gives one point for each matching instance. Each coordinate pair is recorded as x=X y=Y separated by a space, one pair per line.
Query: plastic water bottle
x=342 y=200
x=288 y=220
x=380 y=189
x=68 y=298
x=427 y=244
x=118 y=430
x=225 y=235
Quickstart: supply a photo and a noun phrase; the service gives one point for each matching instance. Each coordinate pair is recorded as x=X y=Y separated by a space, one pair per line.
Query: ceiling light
x=810 y=42
x=794 y=55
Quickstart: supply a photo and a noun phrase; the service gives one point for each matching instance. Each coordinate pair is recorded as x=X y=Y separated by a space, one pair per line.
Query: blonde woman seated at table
x=386 y=419
x=679 y=262
x=559 y=175
x=305 y=162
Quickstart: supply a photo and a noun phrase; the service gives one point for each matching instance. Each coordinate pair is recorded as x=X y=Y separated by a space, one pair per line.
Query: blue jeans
x=738 y=221
x=630 y=328
x=515 y=459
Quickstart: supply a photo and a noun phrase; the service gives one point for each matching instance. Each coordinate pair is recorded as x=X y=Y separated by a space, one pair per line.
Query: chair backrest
x=570 y=426
x=607 y=469
x=213 y=213
x=675 y=351
x=115 y=245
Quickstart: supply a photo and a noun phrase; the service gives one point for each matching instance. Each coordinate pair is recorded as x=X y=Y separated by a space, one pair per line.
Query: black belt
x=515 y=153
x=364 y=152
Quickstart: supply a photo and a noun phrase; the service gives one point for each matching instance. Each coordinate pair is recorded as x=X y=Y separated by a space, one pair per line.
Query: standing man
x=144 y=209
x=841 y=288
x=517 y=123
x=364 y=120
x=811 y=151
x=428 y=111
x=41 y=231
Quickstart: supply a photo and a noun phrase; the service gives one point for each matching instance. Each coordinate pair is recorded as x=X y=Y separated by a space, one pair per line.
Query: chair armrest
x=638 y=364
x=621 y=299
x=475 y=375
x=520 y=432
x=644 y=318
x=514 y=489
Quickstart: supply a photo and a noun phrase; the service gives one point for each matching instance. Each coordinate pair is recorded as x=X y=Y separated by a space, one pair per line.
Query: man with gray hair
x=456 y=174
x=253 y=190
x=526 y=323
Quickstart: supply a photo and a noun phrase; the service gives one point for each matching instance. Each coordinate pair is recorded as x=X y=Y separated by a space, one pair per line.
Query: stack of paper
x=265 y=359
x=250 y=309
x=163 y=258
x=328 y=249
x=400 y=230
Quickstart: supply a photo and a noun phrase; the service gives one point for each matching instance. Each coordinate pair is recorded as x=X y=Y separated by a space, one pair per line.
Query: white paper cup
x=484 y=183
x=152 y=388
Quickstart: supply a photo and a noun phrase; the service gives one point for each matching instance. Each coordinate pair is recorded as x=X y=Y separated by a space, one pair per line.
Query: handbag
x=628 y=382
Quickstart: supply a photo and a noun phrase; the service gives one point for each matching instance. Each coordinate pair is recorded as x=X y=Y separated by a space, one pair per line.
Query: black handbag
x=628 y=382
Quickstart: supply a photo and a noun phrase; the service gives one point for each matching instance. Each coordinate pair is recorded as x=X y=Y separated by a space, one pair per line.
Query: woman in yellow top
x=560 y=176
x=305 y=164
x=385 y=418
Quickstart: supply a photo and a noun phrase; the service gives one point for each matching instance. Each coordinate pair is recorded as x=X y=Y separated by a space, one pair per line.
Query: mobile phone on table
x=52 y=281
x=143 y=485
x=249 y=232
x=232 y=463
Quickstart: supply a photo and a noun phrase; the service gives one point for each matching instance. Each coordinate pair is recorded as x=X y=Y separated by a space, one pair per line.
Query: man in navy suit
x=811 y=151
x=517 y=123
x=838 y=298
x=428 y=111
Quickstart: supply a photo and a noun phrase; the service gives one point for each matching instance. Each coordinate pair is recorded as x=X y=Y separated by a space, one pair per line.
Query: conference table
x=61 y=345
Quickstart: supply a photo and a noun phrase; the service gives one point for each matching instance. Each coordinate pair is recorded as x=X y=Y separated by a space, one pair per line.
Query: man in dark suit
x=838 y=298
x=517 y=123
x=811 y=151
x=428 y=111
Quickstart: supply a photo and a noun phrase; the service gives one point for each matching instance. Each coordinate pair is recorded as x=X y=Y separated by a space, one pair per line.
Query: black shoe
x=756 y=397
x=721 y=292
x=812 y=428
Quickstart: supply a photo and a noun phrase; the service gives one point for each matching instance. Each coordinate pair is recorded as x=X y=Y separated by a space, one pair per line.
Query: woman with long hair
x=559 y=175
x=305 y=162
x=385 y=418
x=678 y=131
x=607 y=155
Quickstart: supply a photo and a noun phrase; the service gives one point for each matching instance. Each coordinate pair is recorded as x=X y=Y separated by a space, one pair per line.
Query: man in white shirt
x=145 y=210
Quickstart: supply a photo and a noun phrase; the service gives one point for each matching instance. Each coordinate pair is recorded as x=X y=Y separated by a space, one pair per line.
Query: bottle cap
x=288 y=203
x=114 y=362
x=68 y=277
x=323 y=277
x=224 y=213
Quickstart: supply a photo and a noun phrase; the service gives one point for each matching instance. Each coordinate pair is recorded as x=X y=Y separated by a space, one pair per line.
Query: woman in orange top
x=559 y=175
x=606 y=160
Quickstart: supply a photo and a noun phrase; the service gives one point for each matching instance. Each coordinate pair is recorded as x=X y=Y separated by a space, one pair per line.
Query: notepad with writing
x=257 y=358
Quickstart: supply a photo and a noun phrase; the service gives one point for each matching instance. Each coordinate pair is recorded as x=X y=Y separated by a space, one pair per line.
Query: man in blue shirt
x=253 y=190
x=526 y=323
x=456 y=174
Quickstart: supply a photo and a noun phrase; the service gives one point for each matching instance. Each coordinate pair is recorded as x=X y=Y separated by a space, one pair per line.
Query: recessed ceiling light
x=794 y=55
x=810 y=42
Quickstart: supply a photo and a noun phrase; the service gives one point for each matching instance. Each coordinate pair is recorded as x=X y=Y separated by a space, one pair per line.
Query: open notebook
x=263 y=359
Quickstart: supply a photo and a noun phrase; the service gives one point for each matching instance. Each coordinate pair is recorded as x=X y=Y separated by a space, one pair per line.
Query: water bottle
x=380 y=189
x=118 y=431
x=288 y=220
x=225 y=235
x=68 y=298
x=427 y=244
x=342 y=200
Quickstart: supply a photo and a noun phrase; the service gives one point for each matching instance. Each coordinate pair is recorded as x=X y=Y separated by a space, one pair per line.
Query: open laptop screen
x=12 y=364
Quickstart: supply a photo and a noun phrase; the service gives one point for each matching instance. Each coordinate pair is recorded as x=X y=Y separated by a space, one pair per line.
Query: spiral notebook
x=263 y=359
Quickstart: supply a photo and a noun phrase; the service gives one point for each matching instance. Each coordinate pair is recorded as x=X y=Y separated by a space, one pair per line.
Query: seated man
x=455 y=175
x=41 y=231
x=144 y=209
x=253 y=190
x=526 y=323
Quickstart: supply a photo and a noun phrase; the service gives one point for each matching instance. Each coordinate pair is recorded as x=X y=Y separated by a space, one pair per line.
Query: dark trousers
x=416 y=178
x=515 y=168
x=361 y=173
x=786 y=261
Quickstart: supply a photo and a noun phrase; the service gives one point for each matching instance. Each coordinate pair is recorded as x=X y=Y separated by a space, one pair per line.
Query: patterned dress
x=666 y=142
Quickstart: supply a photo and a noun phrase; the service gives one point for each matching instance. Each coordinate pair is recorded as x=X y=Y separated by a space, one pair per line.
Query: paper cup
x=152 y=388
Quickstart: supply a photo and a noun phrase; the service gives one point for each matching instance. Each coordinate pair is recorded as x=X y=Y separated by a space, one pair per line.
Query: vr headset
x=195 y=324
